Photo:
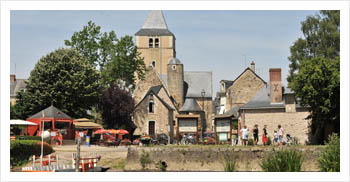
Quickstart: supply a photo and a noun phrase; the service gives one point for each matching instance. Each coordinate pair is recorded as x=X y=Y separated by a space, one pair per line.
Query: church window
x=156 y=41
x=174 y=67
x=150 y=43
x=151 y=104
x=154 y=64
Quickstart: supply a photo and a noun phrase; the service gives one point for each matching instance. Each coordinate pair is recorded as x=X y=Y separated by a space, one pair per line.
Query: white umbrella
x=21 y=122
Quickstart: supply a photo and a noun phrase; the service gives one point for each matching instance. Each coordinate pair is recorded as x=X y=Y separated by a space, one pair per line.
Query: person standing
x=256 y=134
x=264 y=136
x=245 y=133
x=280 y=134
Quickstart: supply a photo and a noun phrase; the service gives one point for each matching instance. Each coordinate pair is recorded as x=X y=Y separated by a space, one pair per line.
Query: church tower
x=175 y=80
x=155 y=42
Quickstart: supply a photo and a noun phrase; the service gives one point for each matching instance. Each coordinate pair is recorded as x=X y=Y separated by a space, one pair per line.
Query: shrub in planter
x=282 y=161
x=329 y=160
x=21 y=150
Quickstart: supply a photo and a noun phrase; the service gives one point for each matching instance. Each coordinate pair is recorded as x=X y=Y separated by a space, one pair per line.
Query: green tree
x=321 y=39
x=317 y=84
x=22 y=108
x=117 y=106
x=117 y=59
x=65 y=79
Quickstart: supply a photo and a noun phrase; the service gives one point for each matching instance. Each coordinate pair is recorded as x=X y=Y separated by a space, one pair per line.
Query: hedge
x=28 y=137
x=21 y=150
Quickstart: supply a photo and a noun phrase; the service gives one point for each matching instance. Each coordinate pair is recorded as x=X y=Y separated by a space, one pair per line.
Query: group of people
x=277 y=139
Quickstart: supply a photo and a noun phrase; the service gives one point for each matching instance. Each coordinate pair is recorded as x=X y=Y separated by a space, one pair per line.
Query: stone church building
x=167 y=90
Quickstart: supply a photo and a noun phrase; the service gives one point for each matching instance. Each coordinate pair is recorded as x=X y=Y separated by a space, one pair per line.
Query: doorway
x=151 y=128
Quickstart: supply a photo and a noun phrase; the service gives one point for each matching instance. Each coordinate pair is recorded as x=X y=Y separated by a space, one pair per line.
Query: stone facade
x=243 y=89
x=175 y=81
x=162 y=115
x=158 y=56
x=293 y=123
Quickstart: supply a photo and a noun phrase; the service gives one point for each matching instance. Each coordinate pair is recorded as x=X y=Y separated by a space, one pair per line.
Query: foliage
x=118 y=59
x=21 y=150
x=230 y=163
x=314 y=71
x=145 y=159
x=64 y=79
x=28 y=137
x=117 y=106
x=269 y=141
x=250 y=142
x=318 y=85
x=329 y=160
x=21 y=110
x=161 y=165
x=322 y=39
x=288 y=160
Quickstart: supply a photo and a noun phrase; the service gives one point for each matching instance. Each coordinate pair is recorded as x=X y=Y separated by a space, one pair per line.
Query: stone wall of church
x=161 y=117
x=208 y=108
x=151 y=79
x=243 y=90
x=161 y=56
x=293 y=123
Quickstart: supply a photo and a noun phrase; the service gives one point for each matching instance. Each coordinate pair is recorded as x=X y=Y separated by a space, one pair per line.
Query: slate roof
x=190 y=105
x=154 y=25
x=174 y=61
x=228 y=83
x=16 y=86
x=233 y=111
x=155 y=90
x=51 y=112
x=197 y=81
x=262 y=99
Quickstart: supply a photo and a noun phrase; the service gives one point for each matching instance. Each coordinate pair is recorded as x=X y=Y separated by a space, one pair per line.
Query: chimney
x=12 y=78
x=252 y=66
x=275 y=85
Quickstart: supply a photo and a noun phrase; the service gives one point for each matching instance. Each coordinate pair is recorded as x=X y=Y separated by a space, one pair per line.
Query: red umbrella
x=102 y=131
x=123 y=132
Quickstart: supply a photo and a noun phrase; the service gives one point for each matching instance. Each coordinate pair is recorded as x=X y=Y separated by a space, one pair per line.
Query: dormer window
x=150 y=43
x=156 y=41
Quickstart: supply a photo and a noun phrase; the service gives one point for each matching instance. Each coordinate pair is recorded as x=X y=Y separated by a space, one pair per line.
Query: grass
x=115 y=164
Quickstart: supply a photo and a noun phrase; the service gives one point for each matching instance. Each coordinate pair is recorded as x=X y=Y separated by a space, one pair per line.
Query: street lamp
x=203 y=94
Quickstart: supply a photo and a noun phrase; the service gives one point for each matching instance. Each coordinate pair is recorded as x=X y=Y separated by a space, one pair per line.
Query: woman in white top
x=244 y=134
x=280 y=134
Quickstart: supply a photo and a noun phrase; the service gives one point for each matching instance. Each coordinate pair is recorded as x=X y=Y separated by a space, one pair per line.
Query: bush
x=250 y=141
x=28 y=137
x=161 y=165
x=329 y=160
x=145 y=159
x=21 y=150
x=269 y=140
x=282 y=161
x=230 y=163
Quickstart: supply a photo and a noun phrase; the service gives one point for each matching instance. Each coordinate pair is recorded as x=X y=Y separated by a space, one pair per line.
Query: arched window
x=150 y=43
x=151 y=104
x=156 y=41
x=154 y=64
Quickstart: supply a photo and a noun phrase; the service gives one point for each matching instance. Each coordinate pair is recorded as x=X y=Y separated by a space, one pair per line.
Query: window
x=61 y=125
x=151 y=104
x=174 y=67
x=156 y=41
x=154 y=64
x=150 y=43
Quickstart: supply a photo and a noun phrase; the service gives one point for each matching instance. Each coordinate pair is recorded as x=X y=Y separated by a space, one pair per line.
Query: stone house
x=15 y=86
x=274 y=105
x=177 y=86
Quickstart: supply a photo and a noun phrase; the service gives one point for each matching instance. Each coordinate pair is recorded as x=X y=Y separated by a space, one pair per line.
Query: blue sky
x=205 y=40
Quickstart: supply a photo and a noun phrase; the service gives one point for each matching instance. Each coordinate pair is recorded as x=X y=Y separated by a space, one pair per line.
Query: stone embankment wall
x=211 y=158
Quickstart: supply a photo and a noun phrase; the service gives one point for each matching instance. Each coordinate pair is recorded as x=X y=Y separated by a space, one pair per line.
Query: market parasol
x=21 y=122
x=121 y=132
x=102 y=131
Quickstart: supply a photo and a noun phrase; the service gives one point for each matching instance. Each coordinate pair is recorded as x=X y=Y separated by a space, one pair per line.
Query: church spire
x=155 y=20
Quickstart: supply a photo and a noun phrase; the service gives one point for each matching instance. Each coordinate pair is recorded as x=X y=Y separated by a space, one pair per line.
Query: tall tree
x=117 y=106
x=117 y=59
x=315 y=71
x=65 y=79
x=321 y=39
